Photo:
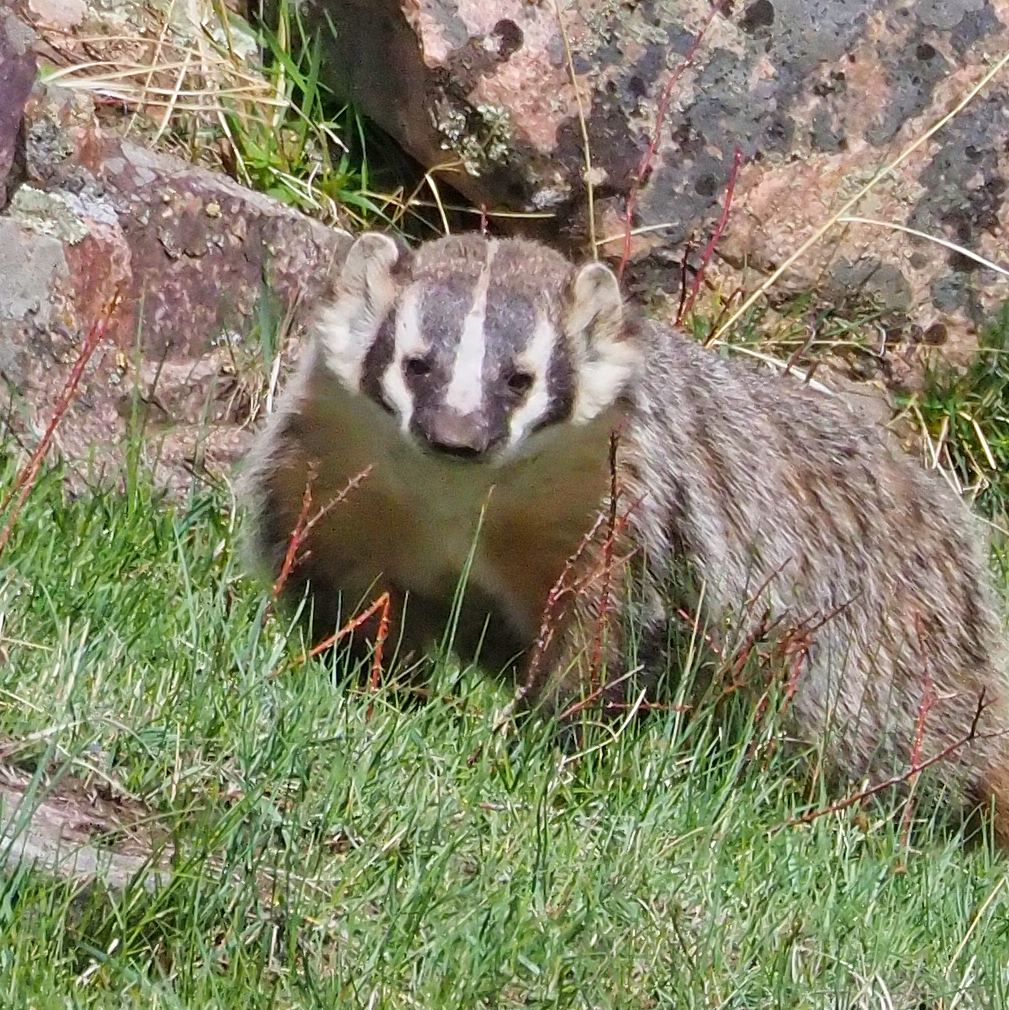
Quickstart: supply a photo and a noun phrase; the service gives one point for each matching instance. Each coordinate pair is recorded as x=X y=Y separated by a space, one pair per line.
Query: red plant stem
x=584 y=703
x=303 y=526
x=352 y=485
x=381 y=603
x=723 y=312
x=645 y=165
x=793 y=681
x=710 y=248
x=927 y=699
x=297 y=535
x=25 y=480
x=914 y=770
x=380 y=637
x=533 y=679
x=687 y=249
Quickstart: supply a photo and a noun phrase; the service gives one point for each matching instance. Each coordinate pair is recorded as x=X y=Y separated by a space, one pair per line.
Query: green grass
x=338 y=849
x=302 y=155
x=314 y=152
x=968 y=415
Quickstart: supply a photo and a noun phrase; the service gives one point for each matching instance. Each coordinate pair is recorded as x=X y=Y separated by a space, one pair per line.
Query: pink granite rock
x=815 y=95
x=180 y=265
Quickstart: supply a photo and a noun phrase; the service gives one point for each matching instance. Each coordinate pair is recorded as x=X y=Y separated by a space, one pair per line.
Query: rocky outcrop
x=815 y=96
x=191 y=276
x=17 y=75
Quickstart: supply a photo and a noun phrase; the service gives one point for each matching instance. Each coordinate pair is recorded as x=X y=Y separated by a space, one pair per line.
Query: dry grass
x=212 y=90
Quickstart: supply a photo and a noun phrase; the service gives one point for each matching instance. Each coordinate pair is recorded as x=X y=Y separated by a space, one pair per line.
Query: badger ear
x=596 y=307
x=367 y=270
x=606 y=358
x=365 y=293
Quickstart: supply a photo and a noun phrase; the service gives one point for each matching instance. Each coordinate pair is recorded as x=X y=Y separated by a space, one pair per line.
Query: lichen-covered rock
x=178 y=264
x=17 y=75
x=816 y=95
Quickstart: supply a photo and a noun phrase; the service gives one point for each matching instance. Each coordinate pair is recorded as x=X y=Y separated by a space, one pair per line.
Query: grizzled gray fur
x=769 y=487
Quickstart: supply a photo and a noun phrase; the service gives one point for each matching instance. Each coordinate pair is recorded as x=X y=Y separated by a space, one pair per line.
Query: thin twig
x=945 y=243
x=25 y=480
x=803 y=347
x=611 y=530
x=534 y=671
x=382 y=605
x=595 y=694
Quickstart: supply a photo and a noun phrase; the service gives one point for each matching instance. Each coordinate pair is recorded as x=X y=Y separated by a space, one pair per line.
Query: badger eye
x=417 y=368
x=520 y=383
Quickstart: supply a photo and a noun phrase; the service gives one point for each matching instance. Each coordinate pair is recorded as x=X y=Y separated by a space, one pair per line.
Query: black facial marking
x=416 y=368
x=560 y=389
x=377 y=360
x=442 y=315
x=509 y=323
x=519 y=383
x=513 y=307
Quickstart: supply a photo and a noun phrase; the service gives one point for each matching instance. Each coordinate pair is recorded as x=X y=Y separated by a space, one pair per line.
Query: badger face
x=474 y=345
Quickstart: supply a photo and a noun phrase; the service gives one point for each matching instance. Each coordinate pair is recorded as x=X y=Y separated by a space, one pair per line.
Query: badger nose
x=466 y=436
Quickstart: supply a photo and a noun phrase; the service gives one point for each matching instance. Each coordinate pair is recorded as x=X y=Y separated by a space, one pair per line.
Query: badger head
x=476 y=345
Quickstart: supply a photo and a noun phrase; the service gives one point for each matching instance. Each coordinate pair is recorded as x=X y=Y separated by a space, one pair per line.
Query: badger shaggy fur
x=496 y=395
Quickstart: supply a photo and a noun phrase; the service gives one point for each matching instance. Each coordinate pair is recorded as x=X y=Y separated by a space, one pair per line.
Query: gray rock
x=17 y=75
x=815 y=94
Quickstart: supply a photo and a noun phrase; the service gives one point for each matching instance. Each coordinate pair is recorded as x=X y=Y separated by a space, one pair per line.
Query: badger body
x=501 y=401
x=417 y=521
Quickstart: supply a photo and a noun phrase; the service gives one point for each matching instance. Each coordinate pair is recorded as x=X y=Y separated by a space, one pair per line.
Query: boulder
x=816 y=96
x=191 y=276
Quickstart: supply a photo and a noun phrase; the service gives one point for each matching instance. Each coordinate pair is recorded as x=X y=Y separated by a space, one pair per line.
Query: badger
x=546 y=469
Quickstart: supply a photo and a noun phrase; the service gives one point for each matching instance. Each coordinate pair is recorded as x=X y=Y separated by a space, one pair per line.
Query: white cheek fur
x=602 y=380
x=344 y=332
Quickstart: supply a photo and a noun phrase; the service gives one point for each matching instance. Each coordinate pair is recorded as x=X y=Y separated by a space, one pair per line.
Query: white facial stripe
x=536 y=360
x=407 y=342
x=465 y=388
